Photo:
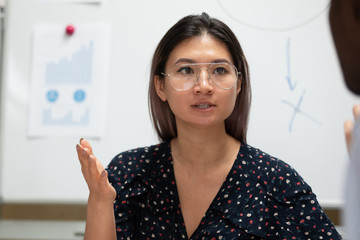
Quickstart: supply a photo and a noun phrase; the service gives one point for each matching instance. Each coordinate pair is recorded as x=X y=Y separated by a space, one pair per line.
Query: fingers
x=356 y=111
x=91 y=167
x=94 y=173
x=87 y=159
x=83 y=155
x=95 y=167
x=348 y=127
x=84 y=150
x=85 y=144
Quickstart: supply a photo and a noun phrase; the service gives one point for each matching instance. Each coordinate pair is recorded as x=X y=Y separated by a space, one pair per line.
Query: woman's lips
x=203 y=106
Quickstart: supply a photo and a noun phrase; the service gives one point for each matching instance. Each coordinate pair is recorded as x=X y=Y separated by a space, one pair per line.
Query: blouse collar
x=240 y=199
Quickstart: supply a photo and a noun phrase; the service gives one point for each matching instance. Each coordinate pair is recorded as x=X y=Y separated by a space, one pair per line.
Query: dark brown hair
x=193 y=26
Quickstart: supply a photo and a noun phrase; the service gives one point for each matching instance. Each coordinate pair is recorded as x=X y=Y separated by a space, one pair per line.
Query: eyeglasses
x=185 y=76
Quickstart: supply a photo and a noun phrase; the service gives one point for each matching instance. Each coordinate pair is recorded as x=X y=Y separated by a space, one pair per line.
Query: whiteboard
x=299 y=99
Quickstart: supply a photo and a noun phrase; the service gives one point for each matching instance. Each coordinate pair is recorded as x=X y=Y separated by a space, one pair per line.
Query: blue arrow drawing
x=288 y=77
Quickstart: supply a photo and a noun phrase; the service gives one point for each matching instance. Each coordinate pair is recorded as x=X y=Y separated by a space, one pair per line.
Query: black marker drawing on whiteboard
x=289 y=79
x=297 y=110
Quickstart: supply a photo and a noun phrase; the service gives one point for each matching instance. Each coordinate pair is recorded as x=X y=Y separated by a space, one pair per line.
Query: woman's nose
x=203 y=82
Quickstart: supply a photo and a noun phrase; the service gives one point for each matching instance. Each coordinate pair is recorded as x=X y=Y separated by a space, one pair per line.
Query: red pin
x=70 y=29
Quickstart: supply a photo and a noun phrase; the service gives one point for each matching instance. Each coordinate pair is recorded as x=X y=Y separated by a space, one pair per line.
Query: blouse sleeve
x=129 y=188
x=295 y=209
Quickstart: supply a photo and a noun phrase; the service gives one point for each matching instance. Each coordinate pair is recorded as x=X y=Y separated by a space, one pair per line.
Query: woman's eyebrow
x=192 y=61
x=185 y=60
x=221 y=60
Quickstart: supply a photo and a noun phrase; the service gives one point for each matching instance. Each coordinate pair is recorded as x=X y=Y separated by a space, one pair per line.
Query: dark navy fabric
x=261 y=198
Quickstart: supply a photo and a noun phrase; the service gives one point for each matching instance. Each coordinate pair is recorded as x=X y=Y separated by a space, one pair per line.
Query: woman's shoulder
x=288 y=197
x=132 y=170
x=261 y=160
x=270 y=172
x=138 y=158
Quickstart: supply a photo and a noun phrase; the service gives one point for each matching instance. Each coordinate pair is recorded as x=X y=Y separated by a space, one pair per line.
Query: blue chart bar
x=66 y=119
x=76 y=70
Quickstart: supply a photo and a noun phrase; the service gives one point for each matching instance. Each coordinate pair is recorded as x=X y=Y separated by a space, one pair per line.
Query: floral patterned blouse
x=261 y=198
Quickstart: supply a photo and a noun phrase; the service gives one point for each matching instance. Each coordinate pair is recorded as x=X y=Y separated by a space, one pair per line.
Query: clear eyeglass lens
x=184 y=76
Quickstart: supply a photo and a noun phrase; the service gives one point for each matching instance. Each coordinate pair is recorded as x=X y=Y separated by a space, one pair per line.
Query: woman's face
x=205 y=104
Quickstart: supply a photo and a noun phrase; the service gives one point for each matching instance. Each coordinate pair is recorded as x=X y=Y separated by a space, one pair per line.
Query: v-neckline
x=215 y=199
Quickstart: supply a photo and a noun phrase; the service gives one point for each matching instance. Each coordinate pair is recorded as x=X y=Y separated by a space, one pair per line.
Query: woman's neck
x=204 y=148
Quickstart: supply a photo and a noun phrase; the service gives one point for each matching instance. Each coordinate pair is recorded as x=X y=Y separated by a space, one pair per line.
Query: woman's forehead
x=200 y=49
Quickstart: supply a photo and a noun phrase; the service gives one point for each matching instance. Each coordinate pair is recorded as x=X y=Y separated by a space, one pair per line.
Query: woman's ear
x=160 y=88
x=238 y=85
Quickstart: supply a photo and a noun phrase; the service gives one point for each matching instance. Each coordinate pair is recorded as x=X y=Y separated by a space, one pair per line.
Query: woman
x=202 y=181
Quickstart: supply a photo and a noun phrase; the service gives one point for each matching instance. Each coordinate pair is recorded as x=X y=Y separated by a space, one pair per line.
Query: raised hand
x=100 y=219
x=349 y=125
x=94 y=173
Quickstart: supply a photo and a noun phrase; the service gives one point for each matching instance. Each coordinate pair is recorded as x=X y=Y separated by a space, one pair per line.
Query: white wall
x=46 y=169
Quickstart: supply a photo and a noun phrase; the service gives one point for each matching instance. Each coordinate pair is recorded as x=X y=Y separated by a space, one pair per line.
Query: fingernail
x=90 y=159
x=103 y=174
x=81 y=140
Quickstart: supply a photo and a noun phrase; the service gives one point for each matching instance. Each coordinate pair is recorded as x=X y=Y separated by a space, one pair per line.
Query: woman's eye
x=186 y=70
x=220 y=70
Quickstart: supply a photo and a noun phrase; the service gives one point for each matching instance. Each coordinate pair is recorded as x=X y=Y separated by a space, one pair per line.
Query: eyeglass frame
x=197 y=77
